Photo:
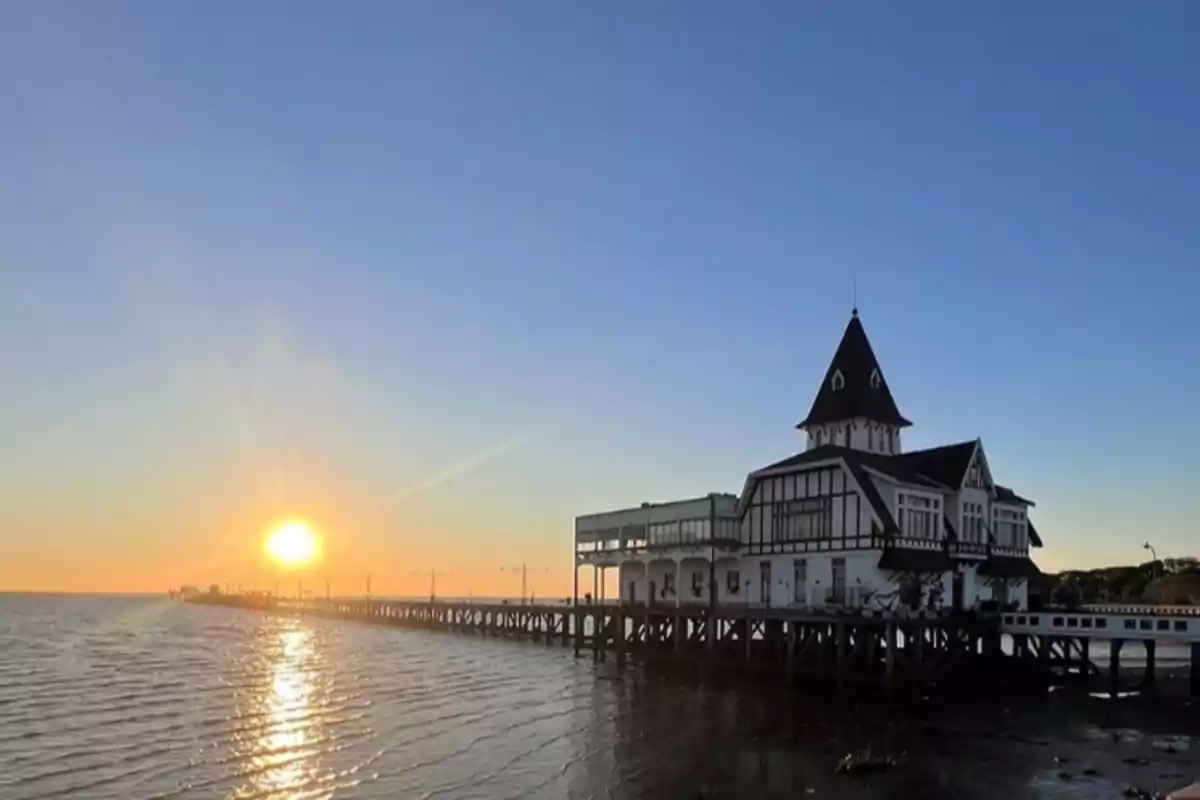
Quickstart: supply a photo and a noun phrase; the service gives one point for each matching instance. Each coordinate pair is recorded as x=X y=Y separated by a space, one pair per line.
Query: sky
x=438 y=277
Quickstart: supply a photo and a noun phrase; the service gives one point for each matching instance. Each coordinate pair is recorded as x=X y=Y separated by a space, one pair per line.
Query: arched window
x=838 y=382
x=876 y=378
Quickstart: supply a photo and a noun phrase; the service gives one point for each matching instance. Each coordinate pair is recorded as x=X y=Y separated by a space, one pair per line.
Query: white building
x=851 y=521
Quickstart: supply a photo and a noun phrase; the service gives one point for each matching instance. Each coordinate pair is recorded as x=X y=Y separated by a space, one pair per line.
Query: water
x=142 y=697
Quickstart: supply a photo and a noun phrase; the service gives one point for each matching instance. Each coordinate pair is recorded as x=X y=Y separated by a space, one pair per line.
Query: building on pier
x=852 y=521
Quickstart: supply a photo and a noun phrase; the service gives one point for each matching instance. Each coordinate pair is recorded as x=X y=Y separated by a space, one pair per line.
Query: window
x=876 y=378
x=668 y=588
x=837 y=581
x=918 y=516
x=799 y=581
x=839 y=381
x=975 y=475
x=1009 y=527
x=972 y=525
x=697 y=583
x=797 y=520
x=733 y=581
x=664 y=533
x=693 y=530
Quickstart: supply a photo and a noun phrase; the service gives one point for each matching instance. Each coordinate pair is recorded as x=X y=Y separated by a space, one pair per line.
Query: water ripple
x=107 y=698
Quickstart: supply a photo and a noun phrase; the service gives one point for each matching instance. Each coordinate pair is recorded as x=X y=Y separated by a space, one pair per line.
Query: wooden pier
x=898 y=654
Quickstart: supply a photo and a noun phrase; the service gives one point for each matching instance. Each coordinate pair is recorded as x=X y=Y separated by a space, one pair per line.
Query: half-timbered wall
x=817 y=510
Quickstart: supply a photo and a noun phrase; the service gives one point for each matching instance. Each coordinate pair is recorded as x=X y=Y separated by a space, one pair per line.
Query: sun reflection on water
x=282 y=751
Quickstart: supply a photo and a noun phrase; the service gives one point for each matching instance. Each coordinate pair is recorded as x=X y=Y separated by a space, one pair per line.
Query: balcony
x=613 y=552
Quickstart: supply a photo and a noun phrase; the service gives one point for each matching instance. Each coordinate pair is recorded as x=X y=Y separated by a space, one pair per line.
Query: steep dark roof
x=822 y=453
x=1007 y=495
x=947 y=464
x=873 y=497
x=856 y=361
x=951 y=533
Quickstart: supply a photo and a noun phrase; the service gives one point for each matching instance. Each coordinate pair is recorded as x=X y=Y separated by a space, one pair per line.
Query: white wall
x=635 y=572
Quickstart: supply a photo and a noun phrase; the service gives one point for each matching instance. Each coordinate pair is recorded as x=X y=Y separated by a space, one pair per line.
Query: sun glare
x=293 y=543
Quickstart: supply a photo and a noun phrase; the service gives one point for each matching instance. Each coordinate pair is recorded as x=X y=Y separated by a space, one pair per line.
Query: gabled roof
x=853 y=460
x=856 y=393
x=947 y=464
x=1007 y=495
x=822 y=453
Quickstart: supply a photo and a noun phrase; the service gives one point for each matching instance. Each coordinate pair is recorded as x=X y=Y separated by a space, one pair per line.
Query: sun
x=293 y=543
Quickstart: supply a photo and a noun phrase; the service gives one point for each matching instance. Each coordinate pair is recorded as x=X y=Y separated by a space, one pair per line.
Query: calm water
x=142 y=697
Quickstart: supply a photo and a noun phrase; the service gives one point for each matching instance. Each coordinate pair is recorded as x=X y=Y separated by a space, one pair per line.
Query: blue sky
x=449 y=273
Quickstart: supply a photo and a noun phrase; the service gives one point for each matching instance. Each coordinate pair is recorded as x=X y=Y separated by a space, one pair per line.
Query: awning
x=906 y=559
x=1009 y=567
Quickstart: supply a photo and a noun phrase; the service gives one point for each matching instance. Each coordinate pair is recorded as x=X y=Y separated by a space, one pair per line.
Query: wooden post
x=1194 y=671
x=842 y=661
x=791 y=650
x=1044 y=659
x=748 y=632
x=679 y=631
x=710 y=633
x=578 y=615
x=619 y=635
x=889 y=655
x=1148 y=681
x=1114 y=665
x=1085 y=658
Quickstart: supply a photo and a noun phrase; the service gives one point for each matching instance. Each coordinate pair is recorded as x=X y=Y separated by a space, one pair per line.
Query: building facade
x=852 y=521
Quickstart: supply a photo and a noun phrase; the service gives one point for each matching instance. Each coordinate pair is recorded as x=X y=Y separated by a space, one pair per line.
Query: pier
x=900 y=654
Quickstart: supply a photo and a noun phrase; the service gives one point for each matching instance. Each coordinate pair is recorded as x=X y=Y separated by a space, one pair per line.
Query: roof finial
x=854 y=307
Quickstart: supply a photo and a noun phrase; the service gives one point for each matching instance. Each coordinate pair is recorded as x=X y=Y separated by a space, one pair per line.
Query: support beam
x=1194 y=671
x=889 y=655
x=1148 y=680
x=791 y=650
x=843 y=663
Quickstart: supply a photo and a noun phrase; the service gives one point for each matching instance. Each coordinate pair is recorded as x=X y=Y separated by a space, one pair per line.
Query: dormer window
x=839 y=381
x=876 y=378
